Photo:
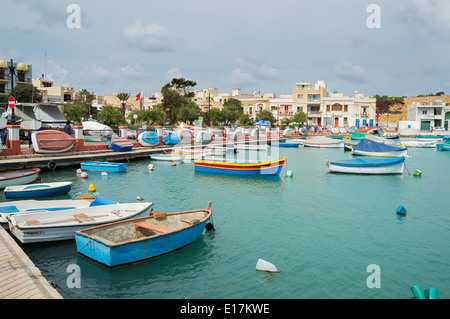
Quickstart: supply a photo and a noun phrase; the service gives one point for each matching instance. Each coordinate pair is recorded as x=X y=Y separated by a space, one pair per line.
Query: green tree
x=111 y=116
x=232 y=110
x=75 y=112
x=123 y=97
x=217 y=117
x=299 y=117
x=25 y=93
x=173 y=101
x=245 y=120
x=266 y=115
x=85 y=99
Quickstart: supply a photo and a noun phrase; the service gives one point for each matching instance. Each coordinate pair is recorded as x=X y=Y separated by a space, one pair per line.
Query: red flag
x=138 y=97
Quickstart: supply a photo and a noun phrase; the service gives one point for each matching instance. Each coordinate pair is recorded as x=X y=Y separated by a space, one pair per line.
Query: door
x=336 y=122
x=425 y=125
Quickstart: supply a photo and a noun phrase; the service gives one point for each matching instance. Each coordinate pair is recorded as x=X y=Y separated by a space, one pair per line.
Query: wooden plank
x=20 y=278
x=157 y=228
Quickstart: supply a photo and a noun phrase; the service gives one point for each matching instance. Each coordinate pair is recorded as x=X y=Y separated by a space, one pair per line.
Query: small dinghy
x=168 y=157
x=52 y=141
x=62 y=224
x=171 y=139
x=120 y=144
x=149 y=139
x=142 y=238
x=97 y=166
x=368 y=166
x=18 y=177
x=80 y=200
x=37 y=190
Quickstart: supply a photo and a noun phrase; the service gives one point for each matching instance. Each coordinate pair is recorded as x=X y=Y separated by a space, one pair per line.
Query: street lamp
x=12 y=71
x=209 y=108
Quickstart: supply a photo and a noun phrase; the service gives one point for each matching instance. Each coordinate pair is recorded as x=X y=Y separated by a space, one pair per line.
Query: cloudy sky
x=254 y=45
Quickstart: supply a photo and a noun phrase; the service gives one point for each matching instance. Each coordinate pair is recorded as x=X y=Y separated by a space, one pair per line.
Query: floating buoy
x=91 y=188
x=401 y=210
x=139 y=198
x=289 y=174
x=263 y=265
x=417 y=292
x=431 y=293
x=79 y=171
x=84 y=175
x=150 y=167
x=104 y=174
x=174 y=164
x=417 y=172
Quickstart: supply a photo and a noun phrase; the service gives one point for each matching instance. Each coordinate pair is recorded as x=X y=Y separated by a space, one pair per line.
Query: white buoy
x=150 y=167
x=263 y=265
x=84 y=175
x=289 y=174
x=139 y=198
x=104 y=174
x=79 y=171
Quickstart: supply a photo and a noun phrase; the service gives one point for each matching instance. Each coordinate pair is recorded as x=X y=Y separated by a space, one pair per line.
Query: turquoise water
x=321 y=230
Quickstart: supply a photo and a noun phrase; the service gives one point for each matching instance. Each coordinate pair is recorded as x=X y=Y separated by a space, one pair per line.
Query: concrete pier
x=19 y=277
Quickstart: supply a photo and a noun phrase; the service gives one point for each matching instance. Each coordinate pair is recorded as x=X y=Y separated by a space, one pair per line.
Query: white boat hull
x=61 y=225
x=421 y=144
x=387 y=170
x=381 y=154
x=321 y=145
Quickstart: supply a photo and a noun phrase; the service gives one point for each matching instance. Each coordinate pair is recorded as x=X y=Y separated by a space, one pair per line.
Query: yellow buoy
x=139 y=198
x=91 y=188
x=150 y=167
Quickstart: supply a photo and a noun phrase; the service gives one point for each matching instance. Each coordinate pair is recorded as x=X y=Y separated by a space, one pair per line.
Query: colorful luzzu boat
x=272 y=167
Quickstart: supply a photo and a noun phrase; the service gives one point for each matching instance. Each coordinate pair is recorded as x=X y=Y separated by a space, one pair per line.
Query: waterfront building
x=52 y=93
x=309 y=98
x=23 y=76
x=339 y=110
x=429 y=114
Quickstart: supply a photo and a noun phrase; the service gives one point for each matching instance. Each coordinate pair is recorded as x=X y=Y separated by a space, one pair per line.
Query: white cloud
x=431 y=15
x=133 y=70
x=148 y=37
x=95 y=72
x=258 y=70
x=173 y=73
x=350 y=72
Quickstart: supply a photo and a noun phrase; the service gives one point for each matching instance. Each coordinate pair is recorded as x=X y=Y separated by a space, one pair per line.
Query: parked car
x=439 y=129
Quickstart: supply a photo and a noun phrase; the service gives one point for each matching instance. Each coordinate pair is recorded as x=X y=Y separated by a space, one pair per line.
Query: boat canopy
x=372 y=146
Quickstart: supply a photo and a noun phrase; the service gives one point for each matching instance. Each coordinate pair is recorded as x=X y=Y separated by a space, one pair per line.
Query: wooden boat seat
x=191 y=222
x=157 y=228
x=83 y=218
x=32 y=222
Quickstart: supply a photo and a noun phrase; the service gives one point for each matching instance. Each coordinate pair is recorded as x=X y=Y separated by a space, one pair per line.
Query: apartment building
x=52 y=93
x=429 y=114
x=23 y=75
x=339 y=110
x=309 y=98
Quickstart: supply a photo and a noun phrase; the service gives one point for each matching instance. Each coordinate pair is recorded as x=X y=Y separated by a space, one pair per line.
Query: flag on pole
x=138 y=97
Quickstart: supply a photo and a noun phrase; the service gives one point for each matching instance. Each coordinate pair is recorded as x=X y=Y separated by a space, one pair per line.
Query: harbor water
x=323 y=231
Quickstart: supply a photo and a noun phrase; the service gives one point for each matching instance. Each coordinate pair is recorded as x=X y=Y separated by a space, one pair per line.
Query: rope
x=407 y=168
x=55 y=285
x=204 y=292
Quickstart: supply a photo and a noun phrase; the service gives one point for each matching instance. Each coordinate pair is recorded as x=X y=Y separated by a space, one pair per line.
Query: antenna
x=45 y=63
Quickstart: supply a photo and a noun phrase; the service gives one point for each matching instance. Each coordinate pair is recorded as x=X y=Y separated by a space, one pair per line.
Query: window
x=299 y=96
x=345 y=108
x=249 y=110
x=336 y=107
x=328 y=108
x=424 y=112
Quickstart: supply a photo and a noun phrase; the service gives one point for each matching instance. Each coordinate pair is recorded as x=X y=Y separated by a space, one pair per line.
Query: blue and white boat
x=368 y=147
x=149 y=139
x=142 y=238
x=120 y=144
x=171 y=139
x=79 y=200
x=286 y=144
x=37 y=190
x=443 y=146
x=367 y=166
x=18 y=177
x=97 y=166
x=62 y=224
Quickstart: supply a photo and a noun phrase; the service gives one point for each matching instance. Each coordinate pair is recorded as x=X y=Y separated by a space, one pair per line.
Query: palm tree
x=123 y=97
